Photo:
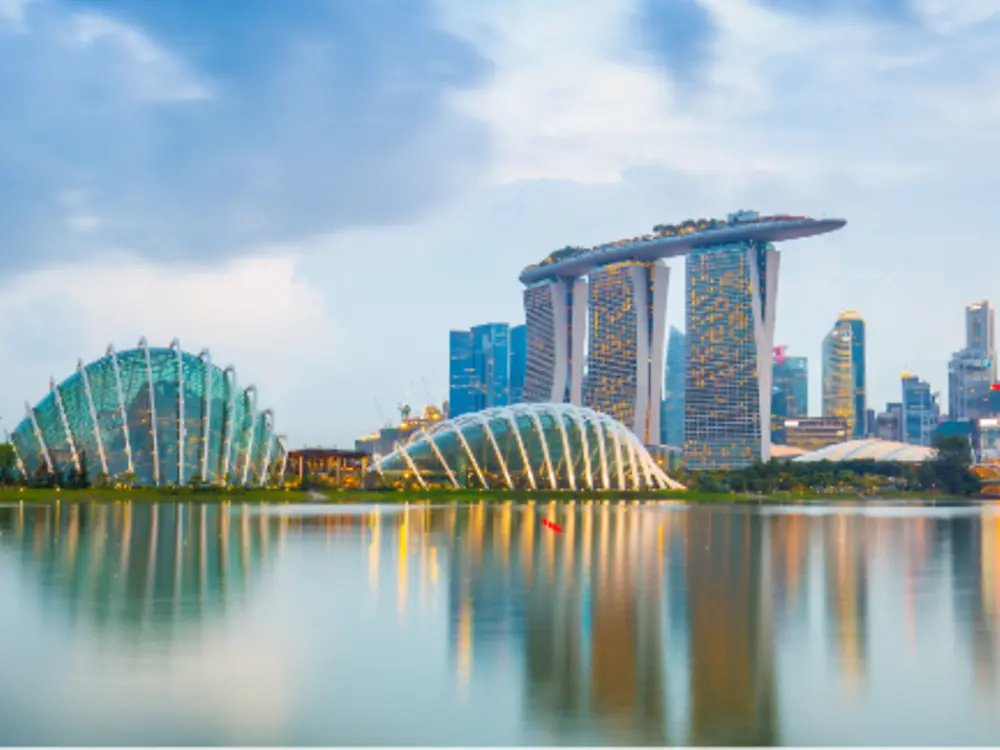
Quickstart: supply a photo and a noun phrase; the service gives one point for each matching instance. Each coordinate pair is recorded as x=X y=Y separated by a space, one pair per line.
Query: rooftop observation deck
x=671 y=241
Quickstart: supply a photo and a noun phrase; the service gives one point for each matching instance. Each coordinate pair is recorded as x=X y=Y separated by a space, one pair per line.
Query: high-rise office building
x=518 y=362
x=973 y=370
x=980 y=332
x=731 y=294
x=480 y=368
x=790 y=392
x=625 y=358
x=463 y=384
x=672 y=421
x=920 y=410
x=556 y=319
x=729 y=398
x=838 y=375
x=856 y=324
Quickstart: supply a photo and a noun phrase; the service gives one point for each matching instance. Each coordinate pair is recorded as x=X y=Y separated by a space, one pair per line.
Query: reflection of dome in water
x=162 y=415
x=528 y=446
x=121 y=566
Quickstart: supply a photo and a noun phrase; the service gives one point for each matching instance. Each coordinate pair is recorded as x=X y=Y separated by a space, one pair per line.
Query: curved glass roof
x=871 y=449
x=527 y=446
x=151 y=417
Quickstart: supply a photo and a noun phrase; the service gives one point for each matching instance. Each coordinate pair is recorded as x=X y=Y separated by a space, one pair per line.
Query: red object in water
x=995 y=386
x=554 y=526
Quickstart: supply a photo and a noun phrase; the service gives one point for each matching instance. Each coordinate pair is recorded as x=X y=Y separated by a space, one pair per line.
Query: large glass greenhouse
x=526 y=446
x=151 y=416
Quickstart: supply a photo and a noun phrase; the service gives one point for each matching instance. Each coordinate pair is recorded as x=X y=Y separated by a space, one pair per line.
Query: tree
x=951 y=465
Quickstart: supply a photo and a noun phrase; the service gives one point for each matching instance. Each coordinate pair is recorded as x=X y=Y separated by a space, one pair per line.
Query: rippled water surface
x=175 y=624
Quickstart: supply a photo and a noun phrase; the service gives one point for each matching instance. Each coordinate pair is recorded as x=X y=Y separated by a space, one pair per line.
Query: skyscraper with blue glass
x=480 y=368
x=790 y=391
x=856 y=324
x=518 y=362
x=672 y=422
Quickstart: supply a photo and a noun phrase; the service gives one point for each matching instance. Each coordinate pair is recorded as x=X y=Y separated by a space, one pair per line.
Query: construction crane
x=404 y=405
x=385 y=420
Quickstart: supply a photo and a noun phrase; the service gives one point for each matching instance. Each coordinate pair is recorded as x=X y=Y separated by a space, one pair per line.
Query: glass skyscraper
x=672 y=421
x=920 y=410
x=838 y=375
x=856 y=324
x=518 y=362
x=790 y=392
x=731 y=292
x=624 y=363
x=973 y=370
x=480 y=368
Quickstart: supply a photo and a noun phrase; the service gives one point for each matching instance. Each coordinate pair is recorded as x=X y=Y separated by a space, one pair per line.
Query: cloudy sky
x=319 y=190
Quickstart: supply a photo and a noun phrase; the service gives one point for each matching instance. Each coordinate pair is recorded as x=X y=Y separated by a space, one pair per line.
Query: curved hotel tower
x=620 y=289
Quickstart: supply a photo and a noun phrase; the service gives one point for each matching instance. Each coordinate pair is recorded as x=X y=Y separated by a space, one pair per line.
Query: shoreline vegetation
x=441 y=497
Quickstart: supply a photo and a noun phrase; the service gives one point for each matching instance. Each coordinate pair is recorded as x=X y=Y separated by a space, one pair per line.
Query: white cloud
x=256 y=314
x=575 y=97
x=948 y=16
x=12 y=14
x=151 y=72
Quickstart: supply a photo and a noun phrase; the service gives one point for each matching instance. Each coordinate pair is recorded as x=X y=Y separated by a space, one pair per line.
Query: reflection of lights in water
x=505 y=521
x=527 y=540
x=465 y=611
x=434 y=566
x=374 y=551
x=550 y=544
x=404 y=528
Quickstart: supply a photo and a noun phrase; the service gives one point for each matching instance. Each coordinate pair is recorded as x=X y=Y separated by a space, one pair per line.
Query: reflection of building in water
x=584 y=605
x=789 y=561
x=847 y=594
x=731 y=635
x=133 y=563
x=974 y=557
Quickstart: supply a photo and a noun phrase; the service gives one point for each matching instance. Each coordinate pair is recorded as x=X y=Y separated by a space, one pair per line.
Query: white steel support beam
x=39 y=437
x=175 y=346
x=121 y=407
x=206 y=413
x=485 y=424
x=557 y=417
x=512 y=421
x=598 y=423
x=65 y=424
x=229 y=376
x=265 y=469
x=468 y=450
x=585 y=447
x=17 y=455
x=93 y=415
x=251 y=396
x=553 y=481
x=409 y=462
x=440 y=456
x=152 y=410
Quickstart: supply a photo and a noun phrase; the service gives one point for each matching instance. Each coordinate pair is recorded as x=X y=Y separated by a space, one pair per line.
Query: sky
x=319 y=191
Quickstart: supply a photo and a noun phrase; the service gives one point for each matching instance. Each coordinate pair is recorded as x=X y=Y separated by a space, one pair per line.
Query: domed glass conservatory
x=526 y=446
x=151 y=416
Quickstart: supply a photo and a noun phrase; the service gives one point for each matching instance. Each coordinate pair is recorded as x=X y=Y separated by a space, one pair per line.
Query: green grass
x=169 y=494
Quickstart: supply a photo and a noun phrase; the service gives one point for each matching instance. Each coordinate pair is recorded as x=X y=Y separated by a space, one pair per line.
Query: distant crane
x=404 y=405
x=385 y=421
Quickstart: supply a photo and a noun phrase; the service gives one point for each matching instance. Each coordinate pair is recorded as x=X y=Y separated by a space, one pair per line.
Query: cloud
x=257 y=314
x=200 y=146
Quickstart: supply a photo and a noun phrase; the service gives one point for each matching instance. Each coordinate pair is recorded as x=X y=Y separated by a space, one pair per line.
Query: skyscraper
x=480 y=368
x=731 y=295
x=920 y=410
x=463 y=385
x=625 y=358
x=791 y=391
x=556 y=319
x=980 y=332
x=856 y=324
x=627 y=350
x=838 y=375
x=973 y=370
x=672 y=421
x=518 y=362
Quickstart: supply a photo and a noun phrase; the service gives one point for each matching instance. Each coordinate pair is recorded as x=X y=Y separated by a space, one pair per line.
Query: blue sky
x=319 y=190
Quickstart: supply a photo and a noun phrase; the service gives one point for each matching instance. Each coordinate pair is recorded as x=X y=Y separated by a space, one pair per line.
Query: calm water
x=177 y=624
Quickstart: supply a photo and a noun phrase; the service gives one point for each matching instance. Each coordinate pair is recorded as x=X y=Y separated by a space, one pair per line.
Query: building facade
x=518 y=362
x=856 y=324
x=790 y=399
x=480 y=368
x=556 y=319
x=672 y=419
x=973 y=370
x=813 y=433
x=920 y=413
x=627 y=315
x=731 y=292
x=838 y=375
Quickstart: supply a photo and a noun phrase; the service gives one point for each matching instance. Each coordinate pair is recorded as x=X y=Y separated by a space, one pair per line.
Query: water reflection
x=633 y=625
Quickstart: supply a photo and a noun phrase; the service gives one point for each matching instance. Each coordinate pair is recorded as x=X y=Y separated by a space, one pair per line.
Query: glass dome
x=527 y=446
x=151 y=417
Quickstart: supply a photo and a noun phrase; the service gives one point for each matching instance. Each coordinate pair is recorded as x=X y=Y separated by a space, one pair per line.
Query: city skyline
x=618 y=126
